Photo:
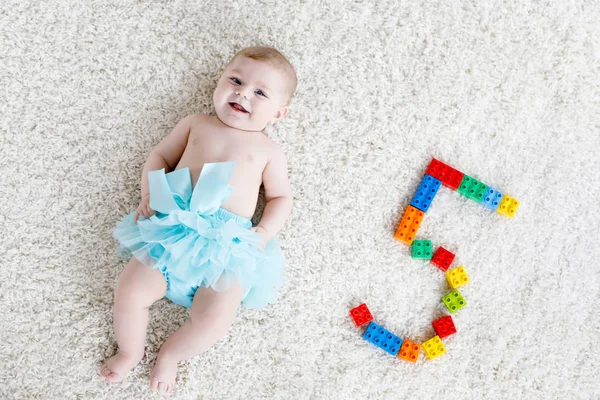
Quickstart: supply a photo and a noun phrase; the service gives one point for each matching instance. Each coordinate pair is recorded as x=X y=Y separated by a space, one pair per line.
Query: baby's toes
x=108 y=375
x=154 y=384
x=170 y=387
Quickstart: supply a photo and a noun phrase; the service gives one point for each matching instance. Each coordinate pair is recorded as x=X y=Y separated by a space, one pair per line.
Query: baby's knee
x=139 y=285
x=130 y=294
x=126 y=295
x=212 y=321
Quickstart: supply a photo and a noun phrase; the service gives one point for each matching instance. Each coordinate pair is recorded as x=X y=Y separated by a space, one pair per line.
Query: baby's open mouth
x=238 y=107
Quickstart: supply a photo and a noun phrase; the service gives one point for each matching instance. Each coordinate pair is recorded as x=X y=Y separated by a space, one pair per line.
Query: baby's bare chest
x=204 y=146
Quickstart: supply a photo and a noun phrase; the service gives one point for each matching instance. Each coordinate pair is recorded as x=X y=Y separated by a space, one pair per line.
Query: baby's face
x=250 y=94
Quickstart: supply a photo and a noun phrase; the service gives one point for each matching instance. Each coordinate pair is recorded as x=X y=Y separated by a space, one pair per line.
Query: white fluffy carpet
x=506 y=91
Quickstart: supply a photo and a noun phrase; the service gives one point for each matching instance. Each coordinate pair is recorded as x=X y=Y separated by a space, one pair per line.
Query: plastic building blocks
x=444 y=326
x=434 y=348
x=425 y=193
x=421 y=249
x=442 y=258
x=454 y=301
x=472 y=189
x=409 y=351
x=382 y=338
x=492 y=199
x=457 y=277
x=361 y=315
x=437 y=174
x=409 y=225
x=508 y=206
x=449 y=176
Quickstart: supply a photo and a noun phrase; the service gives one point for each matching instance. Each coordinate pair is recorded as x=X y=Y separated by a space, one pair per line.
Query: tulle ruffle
x=208 y=251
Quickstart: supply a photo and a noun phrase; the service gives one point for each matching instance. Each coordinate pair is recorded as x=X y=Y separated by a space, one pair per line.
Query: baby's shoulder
x=201 y=124
x=196 y=119
x=270 y=144
x=274 y=150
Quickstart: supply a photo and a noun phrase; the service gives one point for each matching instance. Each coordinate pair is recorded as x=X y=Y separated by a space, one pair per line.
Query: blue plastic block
x=382 y=338
x=492 y=199
x=425 y=193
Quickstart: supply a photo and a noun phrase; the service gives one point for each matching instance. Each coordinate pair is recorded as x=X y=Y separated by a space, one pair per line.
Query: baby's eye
x=261 y=93
x=235 y=80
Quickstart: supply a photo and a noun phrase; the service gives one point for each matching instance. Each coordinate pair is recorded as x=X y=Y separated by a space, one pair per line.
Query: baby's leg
x=139 y=286
x=211 y=316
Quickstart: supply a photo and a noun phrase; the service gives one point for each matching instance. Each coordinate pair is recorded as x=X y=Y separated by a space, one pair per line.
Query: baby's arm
x=278 y=193
x=168 y=152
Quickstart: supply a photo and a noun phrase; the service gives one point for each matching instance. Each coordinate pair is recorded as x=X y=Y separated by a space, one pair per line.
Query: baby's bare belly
x=245 y=181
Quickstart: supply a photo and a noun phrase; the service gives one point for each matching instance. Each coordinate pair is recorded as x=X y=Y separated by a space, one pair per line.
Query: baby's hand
x=263 y=231
x=144 y=208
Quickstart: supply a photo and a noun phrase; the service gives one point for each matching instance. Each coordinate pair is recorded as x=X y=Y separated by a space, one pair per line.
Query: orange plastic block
x=409 y=351
x=409 y=225
x=508 y=206
x=457 y=277
x=434 y=348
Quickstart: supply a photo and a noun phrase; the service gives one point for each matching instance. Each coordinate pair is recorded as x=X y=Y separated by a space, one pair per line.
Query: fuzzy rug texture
x=505 y=91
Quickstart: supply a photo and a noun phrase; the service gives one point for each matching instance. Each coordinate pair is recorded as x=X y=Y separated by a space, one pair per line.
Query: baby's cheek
x=263 y=115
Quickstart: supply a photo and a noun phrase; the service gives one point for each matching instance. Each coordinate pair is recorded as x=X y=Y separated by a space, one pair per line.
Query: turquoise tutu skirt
x=196 y=243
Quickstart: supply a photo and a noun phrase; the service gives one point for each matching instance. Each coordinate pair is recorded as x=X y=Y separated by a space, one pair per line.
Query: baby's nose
x=241 y=92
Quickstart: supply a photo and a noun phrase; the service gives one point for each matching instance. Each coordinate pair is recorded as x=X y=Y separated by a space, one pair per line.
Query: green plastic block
x=464 y=186
x=472 y=189
x=421 y=249
x=454 y=301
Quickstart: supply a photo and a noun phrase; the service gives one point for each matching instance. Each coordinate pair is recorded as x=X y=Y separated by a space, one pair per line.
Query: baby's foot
x=117 y=367
x=162 y=378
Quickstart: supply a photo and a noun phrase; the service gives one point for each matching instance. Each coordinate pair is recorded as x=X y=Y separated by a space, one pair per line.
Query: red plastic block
x=442 y=258
x=449 y=176
x=444 y=326
x=361 y=315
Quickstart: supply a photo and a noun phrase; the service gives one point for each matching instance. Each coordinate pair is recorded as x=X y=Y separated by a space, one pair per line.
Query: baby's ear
x=281 y=113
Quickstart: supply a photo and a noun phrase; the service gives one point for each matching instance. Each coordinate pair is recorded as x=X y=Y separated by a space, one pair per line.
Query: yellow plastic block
x=409 y=351
x=508 y=206
x=409 y=225
x=457 y=277
x=434 y=348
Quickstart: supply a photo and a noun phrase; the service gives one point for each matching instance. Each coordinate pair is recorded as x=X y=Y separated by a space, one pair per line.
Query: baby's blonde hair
x=275 y=58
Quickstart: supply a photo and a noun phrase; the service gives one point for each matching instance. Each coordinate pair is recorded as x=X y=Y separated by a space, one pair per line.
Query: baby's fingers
x=149 y=211
x=140 y=212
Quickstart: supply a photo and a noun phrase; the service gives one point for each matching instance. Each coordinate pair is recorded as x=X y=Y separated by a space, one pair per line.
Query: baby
x=191 y=236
